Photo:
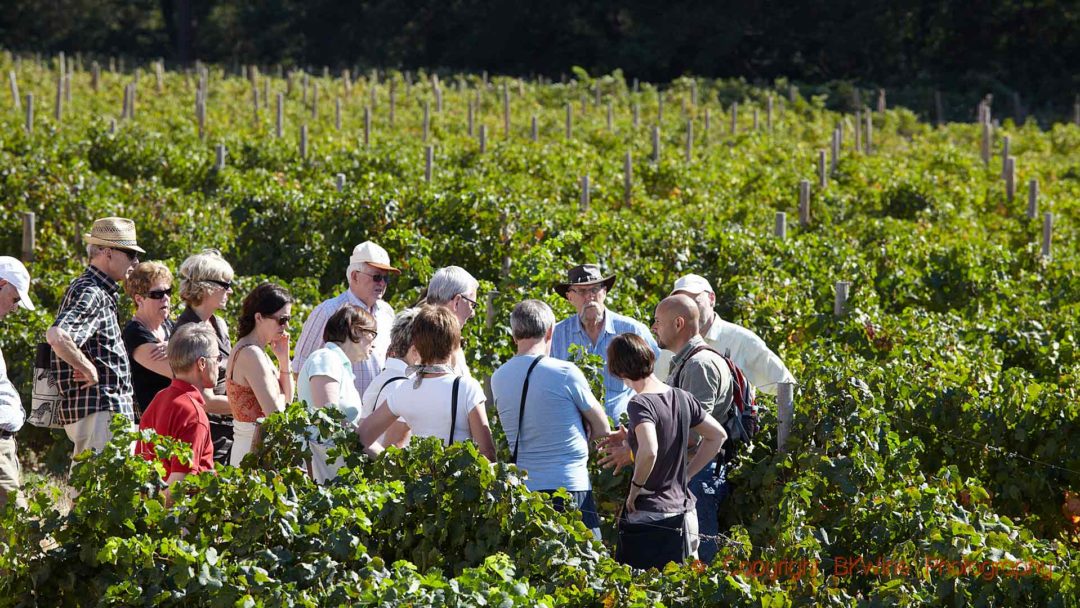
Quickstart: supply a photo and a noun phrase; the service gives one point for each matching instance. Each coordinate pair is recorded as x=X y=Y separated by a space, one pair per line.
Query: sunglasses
x=282 y=321
x=378 y=278
x=221 y=284
x=132 y=256
x=159 y=294
x=472 y=303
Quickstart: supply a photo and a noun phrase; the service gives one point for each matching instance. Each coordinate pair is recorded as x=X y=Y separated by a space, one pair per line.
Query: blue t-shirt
x=554 y=448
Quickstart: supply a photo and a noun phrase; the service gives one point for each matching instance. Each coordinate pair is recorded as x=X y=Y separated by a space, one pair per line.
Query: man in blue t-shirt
x=548 y=435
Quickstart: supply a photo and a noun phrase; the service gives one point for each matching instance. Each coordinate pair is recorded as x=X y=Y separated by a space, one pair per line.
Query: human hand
x=160 y=351
x=280 y=346
x=86 y=378
x=617 y=456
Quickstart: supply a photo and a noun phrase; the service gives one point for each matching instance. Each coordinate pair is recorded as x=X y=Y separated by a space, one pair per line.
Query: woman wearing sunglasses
x=256 y=386
x=147 y=334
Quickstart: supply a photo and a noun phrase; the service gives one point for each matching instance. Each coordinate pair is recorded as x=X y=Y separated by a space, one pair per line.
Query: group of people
x=396 y=376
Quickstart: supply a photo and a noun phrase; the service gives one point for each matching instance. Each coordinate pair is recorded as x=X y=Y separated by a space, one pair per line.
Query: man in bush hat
x=92 y=369
x=594 y=326
x=757 y=361
x=368 y=275
x=14 y=292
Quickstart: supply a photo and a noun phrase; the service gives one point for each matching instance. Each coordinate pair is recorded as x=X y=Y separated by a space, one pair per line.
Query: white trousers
x=90 y=433
x=243 y=434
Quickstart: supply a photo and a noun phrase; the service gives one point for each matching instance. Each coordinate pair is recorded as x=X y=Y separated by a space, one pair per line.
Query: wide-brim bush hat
x=585 y=274
x=115 y=233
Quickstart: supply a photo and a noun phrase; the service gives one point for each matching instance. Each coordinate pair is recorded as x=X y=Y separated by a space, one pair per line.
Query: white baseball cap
x=13 y=271
x=692 y=283
x=370 y=253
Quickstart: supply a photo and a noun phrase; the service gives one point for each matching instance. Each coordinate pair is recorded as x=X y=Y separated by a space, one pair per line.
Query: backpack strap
x=690 y=355
x=383 y=387
x=453 y=411
x=521 y=409
x=684 y=436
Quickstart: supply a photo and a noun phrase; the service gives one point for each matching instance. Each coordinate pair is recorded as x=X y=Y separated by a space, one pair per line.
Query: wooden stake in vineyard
x=705 y=128
x=506 y=110
x=780 y=230
x=1005 y=145
x=840 y=304
x=339 y=179
x=785 y=414
x=337 y=114
x=569 y=121
x=534 y=132
x=314 y=101
x=279 y=119
x=823 y=180
x=470 y=119
x=868 y=141
x=95 y=76
x=1010 y=178
x=14 y=83
x=656 y=143
x=367 y=126
x=1033 y=199
x=628 y=177
x=637 y=115
x=835 y=150
x=29 y=236
x=483 y=138
x=427 y=120
x=804 y=203
x=58 y=109
x=429 y=161
x=219 y=163
x=1048 y=232
x=610 y=117
x=986 y=138
x=768 y=112
x=858 y=130
x=689 y=140
x=734 y=118
x=584 y=193
x=303 y=142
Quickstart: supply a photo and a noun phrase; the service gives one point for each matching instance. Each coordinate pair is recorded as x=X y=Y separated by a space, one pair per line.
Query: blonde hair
x=143 y=276
x=197 y=272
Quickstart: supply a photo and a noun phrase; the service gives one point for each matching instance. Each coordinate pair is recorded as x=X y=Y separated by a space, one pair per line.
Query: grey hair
x=92 y=251
x=401 y=332
x=197 y=271
x=190 y=343
x=531 y=319
x=449 y=282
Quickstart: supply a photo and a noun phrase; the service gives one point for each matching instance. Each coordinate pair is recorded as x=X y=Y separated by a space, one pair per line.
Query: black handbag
x=653 y=544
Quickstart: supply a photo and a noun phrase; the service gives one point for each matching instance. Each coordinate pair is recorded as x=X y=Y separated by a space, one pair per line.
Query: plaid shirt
x=88 y=313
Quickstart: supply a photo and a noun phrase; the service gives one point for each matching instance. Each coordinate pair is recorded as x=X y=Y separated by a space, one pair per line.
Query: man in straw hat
x=91 y=364
x=14 y=292
x=368 y=275
x=594 y=326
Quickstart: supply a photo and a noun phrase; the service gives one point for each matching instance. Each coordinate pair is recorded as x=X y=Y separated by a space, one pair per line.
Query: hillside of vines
x=932 y=459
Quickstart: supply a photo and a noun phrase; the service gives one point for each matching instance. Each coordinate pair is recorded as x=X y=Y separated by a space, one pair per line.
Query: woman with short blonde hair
x=146 y=335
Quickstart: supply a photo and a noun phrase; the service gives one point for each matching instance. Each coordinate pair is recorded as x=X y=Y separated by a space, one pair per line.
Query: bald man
x=702 y=372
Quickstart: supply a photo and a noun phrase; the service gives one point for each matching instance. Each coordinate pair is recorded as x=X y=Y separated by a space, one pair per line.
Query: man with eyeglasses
x=368 y=276
x=594 y=326
x=92 y=369
x=14 y=292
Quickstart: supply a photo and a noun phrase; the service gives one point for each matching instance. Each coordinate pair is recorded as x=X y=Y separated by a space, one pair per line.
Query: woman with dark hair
x=436 y=401
x=327 y=377
x=661 y=418
x=255 y=386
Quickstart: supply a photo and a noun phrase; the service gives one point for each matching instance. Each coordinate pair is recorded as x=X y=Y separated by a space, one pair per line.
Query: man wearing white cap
x=368 y=275
x=92 y=369
x=14 y=291
x=761 y=366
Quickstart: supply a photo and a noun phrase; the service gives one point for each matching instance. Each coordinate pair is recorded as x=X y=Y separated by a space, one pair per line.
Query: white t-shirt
x=427 y=409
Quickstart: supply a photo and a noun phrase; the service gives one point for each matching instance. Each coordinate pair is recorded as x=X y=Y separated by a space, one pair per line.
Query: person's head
x=435 y=334
x=630 y=358
x=586 y=288
x=353 y=329
x=676 y=322
x=265 y=312
x=532 y=320
x=369 y=272
x=454 y=288
x=193 y=354
x=150 y=287
x=113 y=247
x=14 y=286
x=206 y=278
x=401 y=342
x=698 y=288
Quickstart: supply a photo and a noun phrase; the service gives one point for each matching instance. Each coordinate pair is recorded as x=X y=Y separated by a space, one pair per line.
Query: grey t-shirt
x=669 y=475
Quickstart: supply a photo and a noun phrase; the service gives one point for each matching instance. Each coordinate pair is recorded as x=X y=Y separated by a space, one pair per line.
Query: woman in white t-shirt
x=425 y=401
x=327 y=378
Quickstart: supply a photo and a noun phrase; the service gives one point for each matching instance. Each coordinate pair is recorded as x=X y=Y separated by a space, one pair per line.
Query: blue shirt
x=569 y=331
x=554 y=448
x=332 y=362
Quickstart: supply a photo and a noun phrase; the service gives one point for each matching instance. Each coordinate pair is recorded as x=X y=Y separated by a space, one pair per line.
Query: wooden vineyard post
x=755 y=119
x=483 y=139
x=656 y=143
x=58 y=107
x=314 y=101
x=1005 y=145
x=881 y=101
x=14 y=84
x=29 y=113
x=785 y=414
x=339 y=182
x=569 y=121
x=705 y=128
x=438 y=99
x=1048 y=231
x=637 y=115
x=219 y=163
x=506 y=110
x=734 y=118
x=689 y=140
x=693 y=93
x=628 y=177
x=804 y=203
x=303 y=142
x=95 y=76
x=835 y=151
x=29 y=235
x=1076 y=112
x=534 y=132
x=584 y=206
x=659 y=107
x=367 y=126
x=1010 y=178
x=393 y=100
x=822 y=177
x=610 y=117
x=780 y=230
x=858 y=130
x=986 y=136
x=1033 y=199
x=429 y=161
x=868 y=141
x=279 y=120
x=840 y=303
x=470 y=118
x=427 y=120
x=768 y=112
x=337 y=113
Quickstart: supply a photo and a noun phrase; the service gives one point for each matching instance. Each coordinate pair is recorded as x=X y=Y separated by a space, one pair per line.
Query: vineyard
x=932 y=456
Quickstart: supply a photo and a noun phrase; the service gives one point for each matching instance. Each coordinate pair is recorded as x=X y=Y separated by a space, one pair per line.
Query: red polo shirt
x=178 y=411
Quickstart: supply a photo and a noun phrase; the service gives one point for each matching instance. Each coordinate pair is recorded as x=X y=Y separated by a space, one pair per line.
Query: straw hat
x=114 y=232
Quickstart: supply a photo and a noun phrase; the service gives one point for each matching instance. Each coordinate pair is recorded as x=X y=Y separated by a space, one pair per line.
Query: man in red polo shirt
x=178 y=410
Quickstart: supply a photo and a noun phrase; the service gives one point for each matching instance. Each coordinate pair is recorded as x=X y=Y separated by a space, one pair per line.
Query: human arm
x=644 y=461
x=151 y=355
x=713 y=437
x=273 y=393
x=176 y=477
x=596 y=419
x=372 y=428
x=215 y=403
x=325 y=390
x=65 y=347
x=398 y=434
x=481 y=432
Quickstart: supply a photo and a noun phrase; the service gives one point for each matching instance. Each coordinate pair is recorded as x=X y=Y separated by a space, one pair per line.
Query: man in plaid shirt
x=91 y=364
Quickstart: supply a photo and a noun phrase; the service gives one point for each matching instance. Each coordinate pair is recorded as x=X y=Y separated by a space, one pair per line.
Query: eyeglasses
x=221 y=284
x=378 y=278
x=581 y=291
x=132 y=256
x=159 y=294
x=371 y=333
x=472 y=303
x=282 y=321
